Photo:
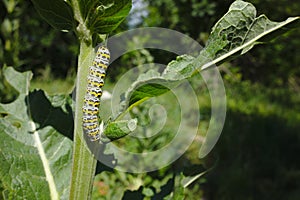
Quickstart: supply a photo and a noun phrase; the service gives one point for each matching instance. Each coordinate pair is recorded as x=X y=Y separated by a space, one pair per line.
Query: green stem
x=130 y=108
x=84 y=163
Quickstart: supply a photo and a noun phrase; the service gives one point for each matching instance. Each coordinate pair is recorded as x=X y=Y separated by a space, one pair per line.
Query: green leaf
x=148 y=192
x=109 y=14
x=57 y=13
x=237 y=32
x=147 y=85
x=178 y=193
x=180 y=68
x=234 y=34
x=34 y=163
x=99 y=17
x=118 y=129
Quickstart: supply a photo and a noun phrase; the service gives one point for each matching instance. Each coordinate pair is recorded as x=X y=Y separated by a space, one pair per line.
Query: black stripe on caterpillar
x=90 y=109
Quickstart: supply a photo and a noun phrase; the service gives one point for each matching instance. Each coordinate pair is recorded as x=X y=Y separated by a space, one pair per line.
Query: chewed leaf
x=234 y=34
x=180 y=68
x=30 y=156
x=20 y=81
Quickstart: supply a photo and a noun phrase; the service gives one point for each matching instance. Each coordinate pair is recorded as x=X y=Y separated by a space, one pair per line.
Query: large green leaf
x=35 y=163
x=234 y=34
x=108 y=15
x=99 y=17
x=237 y=32
x=57 y=13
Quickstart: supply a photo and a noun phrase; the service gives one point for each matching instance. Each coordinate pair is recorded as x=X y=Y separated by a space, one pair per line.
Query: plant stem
x=130 y=108
x=84 y=163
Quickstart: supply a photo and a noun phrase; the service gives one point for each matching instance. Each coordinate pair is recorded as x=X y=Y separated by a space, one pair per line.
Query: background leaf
x=22 y=166
x=57 y=13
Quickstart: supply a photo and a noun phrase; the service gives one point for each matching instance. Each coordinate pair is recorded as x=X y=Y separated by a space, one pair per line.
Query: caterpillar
x=91 y=103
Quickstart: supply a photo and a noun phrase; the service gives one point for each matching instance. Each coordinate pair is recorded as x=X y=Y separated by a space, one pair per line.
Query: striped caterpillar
x=97 y=71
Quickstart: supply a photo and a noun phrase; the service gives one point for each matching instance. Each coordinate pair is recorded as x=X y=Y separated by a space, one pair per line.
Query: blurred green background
x=258 y=151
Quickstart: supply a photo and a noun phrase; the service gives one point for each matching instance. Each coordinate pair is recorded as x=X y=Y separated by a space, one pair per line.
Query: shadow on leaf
x=45 y=114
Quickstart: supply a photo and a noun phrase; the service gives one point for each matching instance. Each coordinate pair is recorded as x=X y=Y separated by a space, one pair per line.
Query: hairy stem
x=84 y=163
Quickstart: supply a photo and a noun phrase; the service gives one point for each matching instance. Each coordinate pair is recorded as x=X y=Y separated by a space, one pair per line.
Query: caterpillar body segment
x=95 y=79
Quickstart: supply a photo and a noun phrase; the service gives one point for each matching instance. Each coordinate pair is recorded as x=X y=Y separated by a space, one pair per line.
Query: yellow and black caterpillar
x=97 y=71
